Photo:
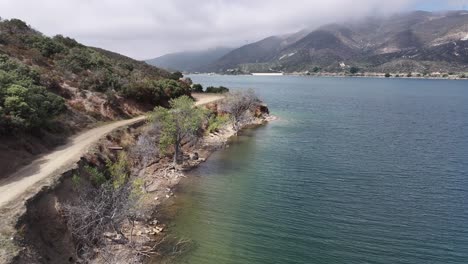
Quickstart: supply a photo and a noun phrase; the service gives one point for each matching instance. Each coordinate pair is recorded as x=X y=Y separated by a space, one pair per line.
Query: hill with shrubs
x=52 y=87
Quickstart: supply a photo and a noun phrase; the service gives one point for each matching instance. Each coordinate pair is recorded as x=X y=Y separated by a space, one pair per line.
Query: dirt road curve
x=64 y=157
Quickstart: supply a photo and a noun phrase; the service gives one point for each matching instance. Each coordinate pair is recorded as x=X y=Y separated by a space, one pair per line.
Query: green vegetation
x=96 y=177
x=24 y=103
x=155 y=91
x=176 y=75
x=316 y=69
x=216 y=122
x=63 y=60
x=178 y=124
x=119 y=170
x=76 y=181
x=220 y=89
x=197 y=88
x=354 y=70
x=35 y=69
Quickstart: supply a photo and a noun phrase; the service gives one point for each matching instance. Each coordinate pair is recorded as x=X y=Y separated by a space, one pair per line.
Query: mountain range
x=409 y=42
x=190 y=61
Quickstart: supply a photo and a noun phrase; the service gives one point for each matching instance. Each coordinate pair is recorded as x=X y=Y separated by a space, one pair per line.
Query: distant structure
x=267 y=73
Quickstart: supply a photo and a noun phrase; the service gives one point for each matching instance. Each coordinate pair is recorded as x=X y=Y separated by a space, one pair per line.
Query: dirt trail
x=64 y=158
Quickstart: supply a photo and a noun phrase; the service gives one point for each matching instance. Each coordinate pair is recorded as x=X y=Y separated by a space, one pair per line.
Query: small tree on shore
x=180 y=123
x=197 y=88
x=240 y=105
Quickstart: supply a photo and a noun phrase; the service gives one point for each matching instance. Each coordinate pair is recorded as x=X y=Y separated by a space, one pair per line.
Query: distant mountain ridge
x=411 y=42
x=189 y=61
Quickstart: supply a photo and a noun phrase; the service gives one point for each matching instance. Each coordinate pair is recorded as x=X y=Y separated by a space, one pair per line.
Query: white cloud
x=146 y=28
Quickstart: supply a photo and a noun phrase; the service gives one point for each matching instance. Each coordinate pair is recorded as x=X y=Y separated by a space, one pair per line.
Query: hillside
x=53 y=87
x=412 y=42
x=189 y=61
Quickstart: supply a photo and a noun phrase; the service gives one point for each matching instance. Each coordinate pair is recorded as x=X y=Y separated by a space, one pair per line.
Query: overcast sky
x=145 y=29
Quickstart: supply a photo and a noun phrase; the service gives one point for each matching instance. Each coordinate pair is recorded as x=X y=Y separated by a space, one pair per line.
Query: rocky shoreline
x=164 y=181
x=41 y=230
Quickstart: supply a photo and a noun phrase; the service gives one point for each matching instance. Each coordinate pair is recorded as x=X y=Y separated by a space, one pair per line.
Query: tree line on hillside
x=198 y=88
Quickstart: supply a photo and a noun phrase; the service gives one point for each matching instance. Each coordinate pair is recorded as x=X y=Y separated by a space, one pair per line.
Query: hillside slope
x=189 y=61
x=410 y=42
x=51 y=88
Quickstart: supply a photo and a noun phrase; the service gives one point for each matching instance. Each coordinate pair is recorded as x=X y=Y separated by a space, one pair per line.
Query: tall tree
x=179 y=123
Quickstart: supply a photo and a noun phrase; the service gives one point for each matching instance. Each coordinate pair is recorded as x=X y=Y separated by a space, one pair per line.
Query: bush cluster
x=90 y=68
x=220 y=89
x=154 y=91
x=216 y=122
x=24 y=104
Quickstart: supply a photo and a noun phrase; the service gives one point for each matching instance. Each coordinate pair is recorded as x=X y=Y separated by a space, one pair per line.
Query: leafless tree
x=96 y=211
x=146 y=150
x=240 y=105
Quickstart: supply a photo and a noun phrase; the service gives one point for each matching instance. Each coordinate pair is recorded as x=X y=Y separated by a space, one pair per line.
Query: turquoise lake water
x=355 y=171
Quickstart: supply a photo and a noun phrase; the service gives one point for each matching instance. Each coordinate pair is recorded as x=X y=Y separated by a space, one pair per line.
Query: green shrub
x=80 y=59
x=96 y=177
x=153 y=92
x=101 y=80
x=216 y=122
x=76 y=180
x=23 y=103
x=220 y=89
x=47 y=46
x=66 y=41
x=177 y=75
x=354 y=70
x=15 y=26
x=197 y=88
x=119 y=170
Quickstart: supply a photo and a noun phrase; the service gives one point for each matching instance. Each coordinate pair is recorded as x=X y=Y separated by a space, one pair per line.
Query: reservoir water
x=355 y=171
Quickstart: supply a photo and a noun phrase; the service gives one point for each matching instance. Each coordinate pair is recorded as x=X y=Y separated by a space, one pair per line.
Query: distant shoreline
x=331 y=75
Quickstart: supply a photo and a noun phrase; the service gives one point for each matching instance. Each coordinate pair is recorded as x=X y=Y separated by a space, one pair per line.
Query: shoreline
x=164 y=180
x=19 y=236
x=331 y=75
x=165 y=198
